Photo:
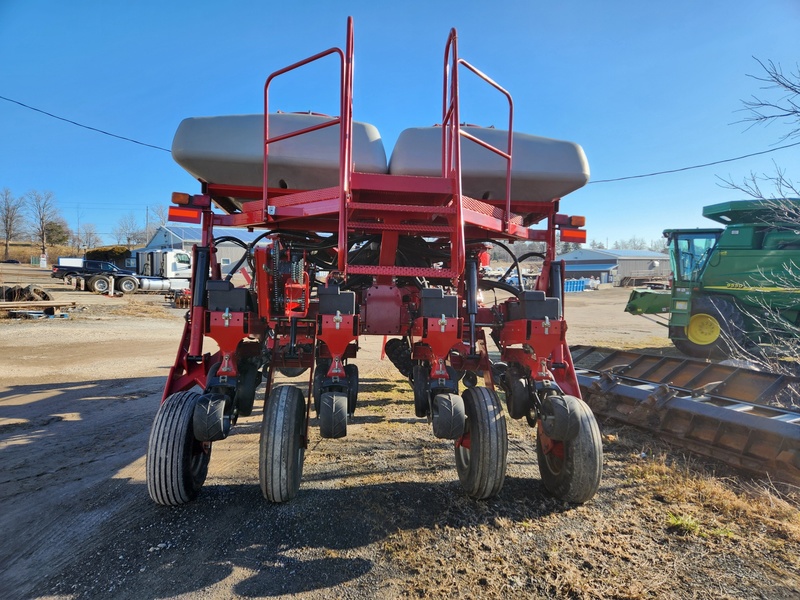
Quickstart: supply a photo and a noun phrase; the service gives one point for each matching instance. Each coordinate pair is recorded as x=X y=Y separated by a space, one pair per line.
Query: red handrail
x=506 y=155
x=346 y=148
x=344 y=120
x=451 y=148
x=452 y=132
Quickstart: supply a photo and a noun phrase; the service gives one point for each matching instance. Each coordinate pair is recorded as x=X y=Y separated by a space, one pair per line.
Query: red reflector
x=180 y=214
x=576 y=236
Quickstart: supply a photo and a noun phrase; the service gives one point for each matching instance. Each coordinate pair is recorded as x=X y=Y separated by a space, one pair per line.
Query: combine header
x=353 y=245
x=748 y=419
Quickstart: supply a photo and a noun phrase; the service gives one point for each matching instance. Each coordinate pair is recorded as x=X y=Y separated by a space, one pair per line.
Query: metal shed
x=621 y=267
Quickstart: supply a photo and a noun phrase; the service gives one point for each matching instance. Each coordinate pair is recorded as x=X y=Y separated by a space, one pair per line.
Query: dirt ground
x=380 y=513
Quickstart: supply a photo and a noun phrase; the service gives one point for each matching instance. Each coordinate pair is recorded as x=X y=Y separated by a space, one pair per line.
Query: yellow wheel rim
x=703 y=329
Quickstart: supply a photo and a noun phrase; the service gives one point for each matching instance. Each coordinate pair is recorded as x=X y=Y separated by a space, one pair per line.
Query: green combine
x=732 y=288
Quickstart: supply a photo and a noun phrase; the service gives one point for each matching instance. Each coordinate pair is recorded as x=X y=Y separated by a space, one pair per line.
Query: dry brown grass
x=135 y=307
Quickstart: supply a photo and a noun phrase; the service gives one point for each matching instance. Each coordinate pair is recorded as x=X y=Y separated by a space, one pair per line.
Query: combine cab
x=356 y=245
x=732 y=288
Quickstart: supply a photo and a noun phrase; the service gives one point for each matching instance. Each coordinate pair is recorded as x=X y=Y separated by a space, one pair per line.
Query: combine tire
x=715 y=330
x=281 y=451
x=572 y=469
x=177 y=463
x=127 y=285
x=481 y=452
x=333 y=415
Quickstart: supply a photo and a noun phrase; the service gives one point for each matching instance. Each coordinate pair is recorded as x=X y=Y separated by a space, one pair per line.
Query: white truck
x=163 y=269
x=156 y=270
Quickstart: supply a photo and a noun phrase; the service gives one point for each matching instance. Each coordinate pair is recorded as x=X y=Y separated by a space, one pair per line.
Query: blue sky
x=642 y=86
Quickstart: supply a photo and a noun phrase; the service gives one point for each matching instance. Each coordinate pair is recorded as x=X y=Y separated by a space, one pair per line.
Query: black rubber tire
x=281 y=452
x=126 y=285
x=246 y=386
x=35 y=294
x=177 y=464
x=209 y=423
x=732 y=340
x=292 y=372
x=320 y=372
x=559 y=418
x=518 y=400
x=419 y=384
x=333 y=415
x=399 y=353
x=99 y=284
x=449 y=416
x=684 y=346
x=351 y=372
x=45 y=295
x=573 y=469
x=482 y=467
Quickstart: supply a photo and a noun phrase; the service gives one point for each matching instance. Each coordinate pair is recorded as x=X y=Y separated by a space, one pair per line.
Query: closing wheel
x=333 y=415
x=127 y=285
x=281 y=452
x=351 y=372
x=320 y=372
x=177 y=464
x=246 y=385
x=449 y=416
x=518 y=399
x=571 y=469
x=559 y=418
x=419 y=383
x=210 y=423
x=99 y=284
x=481 y=452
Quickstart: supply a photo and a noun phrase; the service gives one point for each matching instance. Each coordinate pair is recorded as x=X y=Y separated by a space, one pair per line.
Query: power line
x=716 y=162
x=709 y=164
x=114 y=135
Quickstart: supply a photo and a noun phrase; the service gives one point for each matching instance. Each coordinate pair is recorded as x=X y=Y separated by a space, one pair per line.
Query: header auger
x=354 y=245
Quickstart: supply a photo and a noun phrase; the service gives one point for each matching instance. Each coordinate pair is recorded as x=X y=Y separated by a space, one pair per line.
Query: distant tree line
x=36 y=218
x=633 y=243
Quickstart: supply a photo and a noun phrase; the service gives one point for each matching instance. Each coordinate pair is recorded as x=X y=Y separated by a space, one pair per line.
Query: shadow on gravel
x=322 y=539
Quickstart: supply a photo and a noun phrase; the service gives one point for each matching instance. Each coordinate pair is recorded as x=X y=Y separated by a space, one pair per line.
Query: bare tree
x=43 y=210
x=765 y=186
x=595 y=245
x=128 y=231
x=633 y=243
x=764 y=111
x=778 y=349
x=88 y=237
x=12 y=218
x=659 y=245
x=785 y=108
x=157 y=216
